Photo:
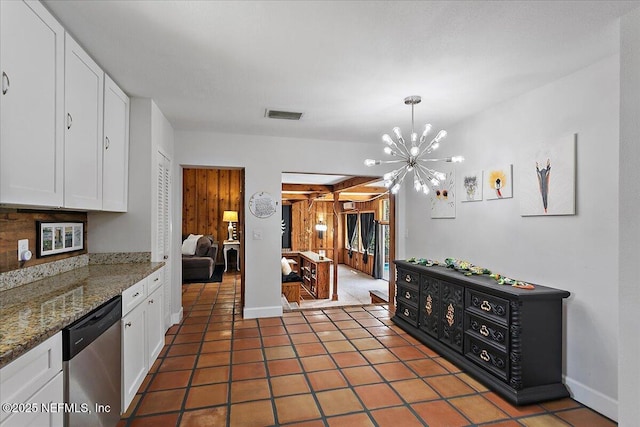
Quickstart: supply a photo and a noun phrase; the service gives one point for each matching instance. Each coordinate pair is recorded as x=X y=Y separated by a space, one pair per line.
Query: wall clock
x=262 y=205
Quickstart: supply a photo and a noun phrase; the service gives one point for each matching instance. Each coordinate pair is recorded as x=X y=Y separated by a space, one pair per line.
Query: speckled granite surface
x=31 y=313
x=15 y=278
x=119 y=257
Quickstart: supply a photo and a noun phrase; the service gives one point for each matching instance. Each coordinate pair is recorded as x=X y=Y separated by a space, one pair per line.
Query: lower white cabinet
x=155 y=325
x=29 y=383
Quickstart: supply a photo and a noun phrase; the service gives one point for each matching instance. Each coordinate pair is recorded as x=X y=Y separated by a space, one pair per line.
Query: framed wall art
x=443 y=199
x=471 y=186
x=498 y=182
x=58 y=237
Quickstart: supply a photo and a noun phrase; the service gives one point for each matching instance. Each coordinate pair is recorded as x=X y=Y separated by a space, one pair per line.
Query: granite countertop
x=29 y=314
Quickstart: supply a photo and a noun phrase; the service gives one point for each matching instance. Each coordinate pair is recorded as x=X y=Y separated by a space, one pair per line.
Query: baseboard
x=593 y=399
x=177 y=317
x=254 y=313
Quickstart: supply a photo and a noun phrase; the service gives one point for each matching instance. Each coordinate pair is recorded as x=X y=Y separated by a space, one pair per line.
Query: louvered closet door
x=163 y=247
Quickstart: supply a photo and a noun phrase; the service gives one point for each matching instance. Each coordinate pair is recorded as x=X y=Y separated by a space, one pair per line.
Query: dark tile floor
x=335 y=367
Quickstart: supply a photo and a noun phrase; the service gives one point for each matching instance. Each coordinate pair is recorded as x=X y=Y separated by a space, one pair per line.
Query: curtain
x=352 y=221
x=378 y=257
x=367 y=229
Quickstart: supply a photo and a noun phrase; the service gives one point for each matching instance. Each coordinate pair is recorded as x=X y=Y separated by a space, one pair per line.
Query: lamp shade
x=230 y=216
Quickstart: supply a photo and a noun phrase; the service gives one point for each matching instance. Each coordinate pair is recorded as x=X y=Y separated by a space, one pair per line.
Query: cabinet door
x=155 y=325
x=31 y=105
x=430 y=306
x=52 y=392
x=134 y=350
x=451 y=315
x=84 y=91
x=115 y=173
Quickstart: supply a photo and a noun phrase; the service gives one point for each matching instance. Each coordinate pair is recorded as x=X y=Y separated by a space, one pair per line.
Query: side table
x=231 y=244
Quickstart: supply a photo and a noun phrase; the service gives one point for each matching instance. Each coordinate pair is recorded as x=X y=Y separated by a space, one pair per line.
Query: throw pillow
x=286 y=268
x=189 y=244
x=203 y=246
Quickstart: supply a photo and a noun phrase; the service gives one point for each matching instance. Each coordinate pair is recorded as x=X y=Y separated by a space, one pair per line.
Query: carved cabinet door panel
x=451 y=315
x=429 y=305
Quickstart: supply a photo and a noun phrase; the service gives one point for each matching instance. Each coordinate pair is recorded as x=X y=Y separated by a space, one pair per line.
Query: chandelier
x=413 y=156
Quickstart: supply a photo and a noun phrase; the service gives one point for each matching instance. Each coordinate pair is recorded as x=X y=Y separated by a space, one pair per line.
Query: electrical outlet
x=23 y=246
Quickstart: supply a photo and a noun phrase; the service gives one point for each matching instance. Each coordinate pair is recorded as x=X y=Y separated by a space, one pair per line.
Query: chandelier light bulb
x=434 y=181
x=425 y=132
x=387 y=183
x=441 y=135
x=440 y=175
x=388 y=150
x=371 y=162
x=416 y=183
x=387 y=139
x=457 y=159
x=398 y=133
x=395 y=188
x=414 y=137
x=414 y=150
x=425 y=189
x=434 y=146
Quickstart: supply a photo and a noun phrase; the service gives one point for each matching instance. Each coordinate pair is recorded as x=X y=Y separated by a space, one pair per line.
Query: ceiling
x=322 y=187
x=347 y=65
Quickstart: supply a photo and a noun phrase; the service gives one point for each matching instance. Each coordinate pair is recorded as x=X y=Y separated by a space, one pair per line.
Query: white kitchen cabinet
x=33 y=379
x=115 y=173
x=83 y=125
x=155 y=325
x=31 y=105
x=134 y=353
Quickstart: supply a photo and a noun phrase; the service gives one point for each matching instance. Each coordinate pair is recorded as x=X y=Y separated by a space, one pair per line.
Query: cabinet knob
x=407 y=278
x=107 y=143
x=407 y=295
x=485 y=356
x=485 y=305
x=484 y=331
x=136 y=294
x=5 y=83
x=406 y=312
x=150 y=301
x=156 y=279
x=127 y=325
x=69 y=120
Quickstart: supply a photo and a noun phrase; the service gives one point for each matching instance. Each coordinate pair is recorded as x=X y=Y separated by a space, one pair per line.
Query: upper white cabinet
x=31 y=105
x=115 y=172
x=84 y=91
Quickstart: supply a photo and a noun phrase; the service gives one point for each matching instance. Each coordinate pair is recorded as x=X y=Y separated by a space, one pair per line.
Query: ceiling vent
x=284 y=115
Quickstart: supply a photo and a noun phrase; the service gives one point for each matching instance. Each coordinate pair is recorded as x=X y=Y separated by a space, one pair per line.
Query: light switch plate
x=257 y=234
x=23 y=246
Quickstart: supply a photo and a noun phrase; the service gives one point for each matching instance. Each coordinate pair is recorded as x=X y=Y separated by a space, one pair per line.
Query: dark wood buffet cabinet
x=508 y=338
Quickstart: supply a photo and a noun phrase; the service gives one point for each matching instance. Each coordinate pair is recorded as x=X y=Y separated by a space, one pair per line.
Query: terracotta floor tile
x=245 y=324
x=246 y=333
x=478 y=409
x=556 y=405
x=246 y=356
x=382 y=331
x=299 y=328
x=381 y=355
x=289 y=384
x=356 y=333
x=207 y=395
x=204 y=417
x=361 y=314
x=375 y=396
x=132 y=406
x=326 y=380
x=415 y=390
x=341 y=401
x=248 y=371
x=370 y=322
x=276 y=340
x=353 y=420
x=161 y=401
x=395 y=340
x=394 y=371
x=366 y=343
x=361 y=375
x=323 y=326
x=167 y=420
x=314 y=318
x=177 y=363
x=509 y=423
x=395 y=417
x=259 y=413
x=194 y=320
x=270 y=321
x=296 y=408
x=187 y=329
x=512 y=410
x=304 y=338
x=217 y=374
x=330 y=336
x=189 y=338
x=215 y=346
x=214 y=359
x=246 y=343
x=407 y=352
x=543 y=421
x=272 y=330
x=347 y=324
x=334 y=347
x=317 y=363
x=298 y=318
x=219 y=326
x=353 y=358
x=281 y=352
x=146 y=382
x=168 y=380
x=440 y=414
x=213 y=335
x=310 y=349
x=585 y=417
x=447 y=365
x=242 y=391
x=449 y=386
x=426 y=367
x=338 y=316
x=473 y=383
x=284 y=367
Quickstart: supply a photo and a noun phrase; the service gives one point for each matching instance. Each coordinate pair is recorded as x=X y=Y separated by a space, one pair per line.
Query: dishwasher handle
x=83 y=332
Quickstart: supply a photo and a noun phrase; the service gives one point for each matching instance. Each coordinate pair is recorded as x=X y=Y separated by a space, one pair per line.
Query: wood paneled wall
x=16 y=224
x=304 y=217
x=207 y=193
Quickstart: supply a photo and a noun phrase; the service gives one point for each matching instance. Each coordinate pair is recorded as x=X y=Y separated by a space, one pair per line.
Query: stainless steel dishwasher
x=92 y=368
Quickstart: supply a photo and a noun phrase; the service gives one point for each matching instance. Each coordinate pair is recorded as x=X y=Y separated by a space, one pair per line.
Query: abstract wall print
x=443 y=200
x=58 y=237
x=498 y=183
x=547 y=178
x=471 y=186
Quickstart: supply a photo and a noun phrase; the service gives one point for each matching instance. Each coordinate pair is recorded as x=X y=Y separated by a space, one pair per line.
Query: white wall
x=264 y=159
x=629 y=368
x=576 y=253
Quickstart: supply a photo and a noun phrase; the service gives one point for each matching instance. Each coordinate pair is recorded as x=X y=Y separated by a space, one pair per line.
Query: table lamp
x=230 y=217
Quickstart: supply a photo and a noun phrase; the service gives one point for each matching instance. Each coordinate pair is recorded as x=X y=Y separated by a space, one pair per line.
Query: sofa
x=198 y=263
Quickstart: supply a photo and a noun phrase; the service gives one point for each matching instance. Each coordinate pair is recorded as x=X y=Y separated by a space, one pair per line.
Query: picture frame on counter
x=59 y=237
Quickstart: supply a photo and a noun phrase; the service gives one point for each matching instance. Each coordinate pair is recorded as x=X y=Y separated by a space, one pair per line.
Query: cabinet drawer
x=487 y=331
x=488 y=305
x=407 y=313
x=156 y=280
x=487 y=356
x=407 y=294
x=133 y=296
x=406 y=276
